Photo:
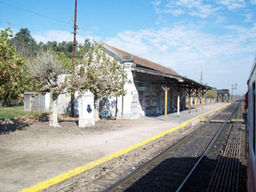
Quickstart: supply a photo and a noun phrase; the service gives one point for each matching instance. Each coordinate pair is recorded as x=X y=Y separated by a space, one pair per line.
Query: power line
x=42 y=15
x=34 y=13
x=39 y=14
x=201 y=77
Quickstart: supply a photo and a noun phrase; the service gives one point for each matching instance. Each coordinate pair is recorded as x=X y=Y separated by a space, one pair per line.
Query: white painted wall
x=47 y=102
x=86 y=109
x=131 y=105
x=64 y=101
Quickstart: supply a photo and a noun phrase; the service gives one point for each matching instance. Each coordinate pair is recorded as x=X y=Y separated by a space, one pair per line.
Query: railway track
x=172 y=169
x=225 y=177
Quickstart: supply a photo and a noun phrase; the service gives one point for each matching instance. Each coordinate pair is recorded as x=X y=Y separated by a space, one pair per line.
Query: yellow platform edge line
x=62 y=177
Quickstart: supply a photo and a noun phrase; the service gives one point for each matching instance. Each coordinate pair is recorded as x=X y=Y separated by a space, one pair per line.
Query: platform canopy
x=192 y=86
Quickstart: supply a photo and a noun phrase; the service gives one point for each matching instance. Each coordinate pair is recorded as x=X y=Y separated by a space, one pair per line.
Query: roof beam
x=157 y=73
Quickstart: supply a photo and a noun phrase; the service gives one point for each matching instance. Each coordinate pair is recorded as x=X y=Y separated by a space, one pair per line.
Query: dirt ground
x=33 y=153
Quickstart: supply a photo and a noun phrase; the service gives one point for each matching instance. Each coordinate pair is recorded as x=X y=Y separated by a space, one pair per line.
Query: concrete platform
x=39 y=152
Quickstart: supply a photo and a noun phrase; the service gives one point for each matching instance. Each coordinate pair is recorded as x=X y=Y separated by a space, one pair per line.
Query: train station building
x=152 y=89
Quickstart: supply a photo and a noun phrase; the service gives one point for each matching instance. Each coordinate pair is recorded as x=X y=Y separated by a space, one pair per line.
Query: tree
x=99 y=73
x=212 y=93
x=66 y=48
x=25 y=44
x=47 y=70
x=12 y=69
x=84 y=48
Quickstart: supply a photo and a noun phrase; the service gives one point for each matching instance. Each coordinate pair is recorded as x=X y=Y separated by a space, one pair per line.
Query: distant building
x=223 y=95
x=145 y=95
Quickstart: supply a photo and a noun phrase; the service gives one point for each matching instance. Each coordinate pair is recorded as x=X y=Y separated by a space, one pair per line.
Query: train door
x=254 y=117
x=252 y=158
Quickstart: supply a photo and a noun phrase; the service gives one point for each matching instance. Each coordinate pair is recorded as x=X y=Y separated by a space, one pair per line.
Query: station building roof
x=141 y=61
x=145 y=66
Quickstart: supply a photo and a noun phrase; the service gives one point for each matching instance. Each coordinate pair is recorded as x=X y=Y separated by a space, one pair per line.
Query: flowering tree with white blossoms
x=99 y=73
x=94 y=70
x=46 y=69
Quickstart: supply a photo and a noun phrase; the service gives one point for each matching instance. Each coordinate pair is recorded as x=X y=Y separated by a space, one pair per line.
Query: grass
x=15 y=111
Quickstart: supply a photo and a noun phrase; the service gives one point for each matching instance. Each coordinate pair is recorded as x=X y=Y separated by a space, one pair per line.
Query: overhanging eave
x=157 y=73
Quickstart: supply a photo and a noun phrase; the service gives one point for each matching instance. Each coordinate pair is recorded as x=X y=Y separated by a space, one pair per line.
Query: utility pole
x=201 y=95
x=74 y=57
x=75 y=27
x=233 y=87
x=201 y=78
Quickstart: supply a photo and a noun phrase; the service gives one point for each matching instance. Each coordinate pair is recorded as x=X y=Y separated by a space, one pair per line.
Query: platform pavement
x=81 y=150
x=185 y=115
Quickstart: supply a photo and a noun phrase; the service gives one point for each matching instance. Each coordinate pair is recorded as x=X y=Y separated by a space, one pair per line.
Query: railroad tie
x=226 y=174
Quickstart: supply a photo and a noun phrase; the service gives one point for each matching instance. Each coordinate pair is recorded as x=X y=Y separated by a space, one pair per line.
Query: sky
x=214 y=37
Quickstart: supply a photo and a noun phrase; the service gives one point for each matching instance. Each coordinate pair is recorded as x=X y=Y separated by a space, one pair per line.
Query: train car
x=251 y=129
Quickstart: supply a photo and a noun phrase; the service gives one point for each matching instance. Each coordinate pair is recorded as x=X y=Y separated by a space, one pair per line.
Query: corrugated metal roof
x=141 y=61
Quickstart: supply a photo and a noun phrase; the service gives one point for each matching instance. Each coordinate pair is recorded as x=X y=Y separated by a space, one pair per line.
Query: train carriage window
x=254 y=117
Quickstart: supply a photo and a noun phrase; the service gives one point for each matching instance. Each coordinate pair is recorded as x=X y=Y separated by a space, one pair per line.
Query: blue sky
x=215 y=37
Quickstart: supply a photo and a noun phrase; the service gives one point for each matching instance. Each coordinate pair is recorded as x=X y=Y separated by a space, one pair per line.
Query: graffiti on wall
x=134 y=104
x=107 y=107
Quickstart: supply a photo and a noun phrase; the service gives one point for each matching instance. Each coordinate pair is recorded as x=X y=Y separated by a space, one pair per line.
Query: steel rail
x=206 y=149
x=147 y=164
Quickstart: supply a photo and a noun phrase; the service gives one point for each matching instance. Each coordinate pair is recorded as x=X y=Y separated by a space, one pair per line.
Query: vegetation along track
x=166 y=172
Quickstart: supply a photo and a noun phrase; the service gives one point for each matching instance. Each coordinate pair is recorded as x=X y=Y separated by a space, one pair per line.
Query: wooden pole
x=74 y=56
x=189 y=102
x=202 y=101
x=197 y=102
x=75 y=27
x=178 y=104
x=165 y=100
x=165 y=106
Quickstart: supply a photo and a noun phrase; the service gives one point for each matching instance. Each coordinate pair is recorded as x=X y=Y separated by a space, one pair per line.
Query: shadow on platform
x=11 y=125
